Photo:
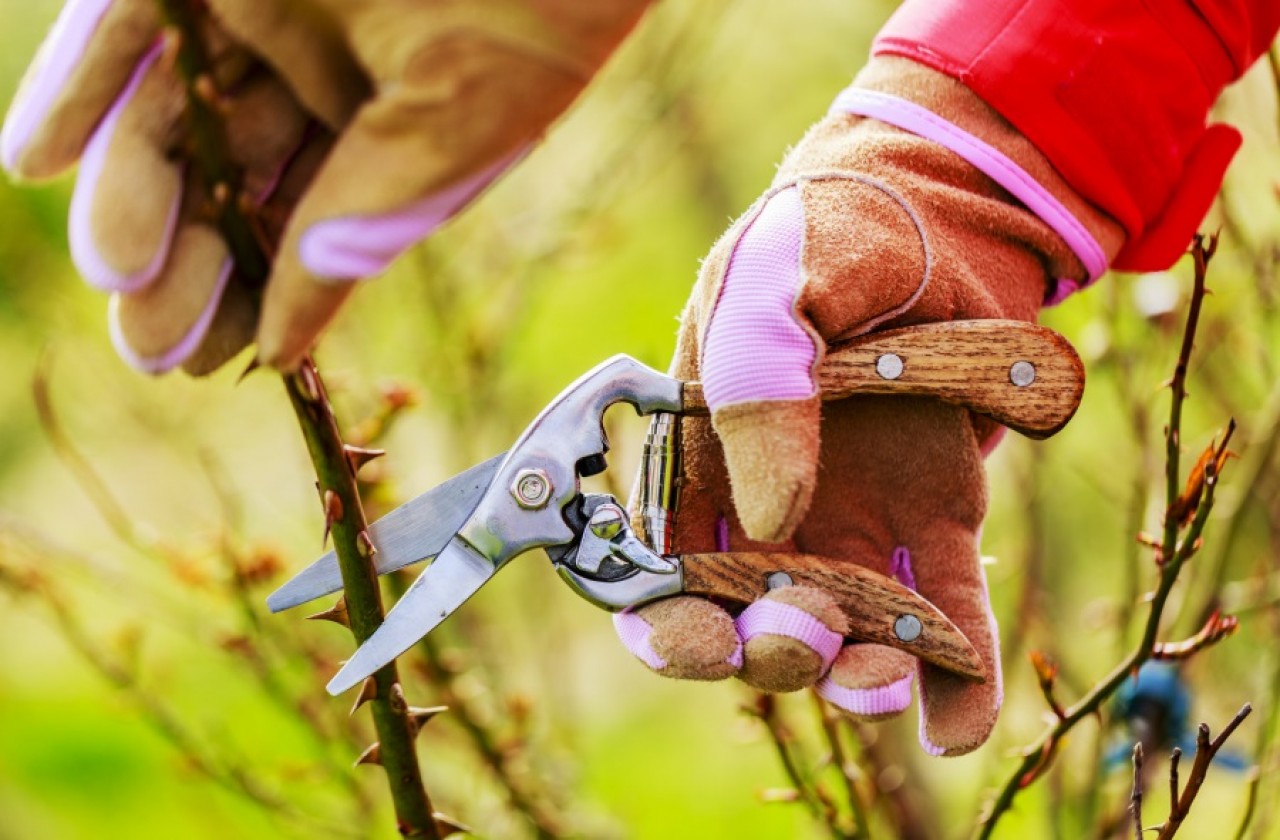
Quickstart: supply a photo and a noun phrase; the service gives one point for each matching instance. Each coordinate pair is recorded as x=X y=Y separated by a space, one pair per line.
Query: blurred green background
x=144 y=692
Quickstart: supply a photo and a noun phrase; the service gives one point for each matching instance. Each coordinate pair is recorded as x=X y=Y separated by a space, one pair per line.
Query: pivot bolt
x=531 y=489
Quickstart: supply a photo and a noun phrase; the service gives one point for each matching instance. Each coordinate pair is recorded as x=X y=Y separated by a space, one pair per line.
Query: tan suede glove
x=866 y=227
x=362 y=126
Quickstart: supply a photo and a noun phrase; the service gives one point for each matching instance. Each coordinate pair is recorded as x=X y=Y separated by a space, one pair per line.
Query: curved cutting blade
x=458 y=571
x=415 y=531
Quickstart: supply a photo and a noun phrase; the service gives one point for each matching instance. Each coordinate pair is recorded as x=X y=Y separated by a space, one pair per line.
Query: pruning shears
x=1026 y=377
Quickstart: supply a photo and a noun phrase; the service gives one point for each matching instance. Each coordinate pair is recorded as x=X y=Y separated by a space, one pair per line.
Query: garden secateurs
x=1026 y=377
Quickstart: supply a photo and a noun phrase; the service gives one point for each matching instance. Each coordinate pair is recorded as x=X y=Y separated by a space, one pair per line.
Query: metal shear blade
x=417 y=530
x=456 y=574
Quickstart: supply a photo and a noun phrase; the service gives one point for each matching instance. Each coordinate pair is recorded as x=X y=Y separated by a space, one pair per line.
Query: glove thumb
x=771 y=452
x=757 y=363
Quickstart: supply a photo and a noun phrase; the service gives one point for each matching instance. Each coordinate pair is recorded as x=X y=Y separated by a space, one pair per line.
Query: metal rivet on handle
x=777 y=580
x=889 y=366
x=1022 y=373
x=531 y=489
x=907 y=628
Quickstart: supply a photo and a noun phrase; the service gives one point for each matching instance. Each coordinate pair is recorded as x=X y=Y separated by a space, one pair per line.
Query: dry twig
x=1135 y=798
x=1206 y=749
x=1181 y=539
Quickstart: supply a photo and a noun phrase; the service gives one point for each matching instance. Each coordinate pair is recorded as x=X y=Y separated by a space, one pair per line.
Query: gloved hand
x=865 y=227
x=362 y=126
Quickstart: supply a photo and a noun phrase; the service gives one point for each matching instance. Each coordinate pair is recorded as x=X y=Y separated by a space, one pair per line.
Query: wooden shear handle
x=879 y=609
x=1021 y=375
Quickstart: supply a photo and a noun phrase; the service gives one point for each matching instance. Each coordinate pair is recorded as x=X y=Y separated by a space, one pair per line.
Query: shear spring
x=659 y=482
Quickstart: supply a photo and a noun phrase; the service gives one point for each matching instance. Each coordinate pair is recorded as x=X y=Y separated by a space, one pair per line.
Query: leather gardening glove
x=362 y=125
x=866 y=227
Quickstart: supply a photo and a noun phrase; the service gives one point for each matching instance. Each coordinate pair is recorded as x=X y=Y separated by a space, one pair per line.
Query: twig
x=1201 y=254
x=160 y=717
x=1180 y=805
x=1047 y=675
x=1216 y=628
x=1174 y=554
x=396 y=731
x=1135 y=798
x=1250 y=805
x=765 y=708
x=541 y=814
x=849 y=773
x=95 y=488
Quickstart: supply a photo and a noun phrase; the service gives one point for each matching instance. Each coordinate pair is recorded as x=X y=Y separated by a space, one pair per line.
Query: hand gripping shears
x=1024 y=376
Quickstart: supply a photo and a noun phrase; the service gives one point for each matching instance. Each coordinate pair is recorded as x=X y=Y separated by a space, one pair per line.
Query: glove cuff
x=924 y=102
x=1116 y=96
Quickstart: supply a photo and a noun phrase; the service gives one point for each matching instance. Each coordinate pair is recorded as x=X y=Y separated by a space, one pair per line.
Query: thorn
x=398 y=396
x=205 y=89
x=368 y=691
x=171 y=37
x=310 y=382
x=358 y=456
x=254 y=364
x=373 y=755
x=364 y=545
x=397 y=702
x=419 y=716
x=337 y=614
x=446 y=825
x=332 y=513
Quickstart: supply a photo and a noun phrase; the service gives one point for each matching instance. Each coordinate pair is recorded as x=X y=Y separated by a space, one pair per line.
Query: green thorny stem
x=1173 y=553
x=344 y=514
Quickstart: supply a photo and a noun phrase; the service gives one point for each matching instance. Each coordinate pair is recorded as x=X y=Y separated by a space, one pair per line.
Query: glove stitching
x=925 y=246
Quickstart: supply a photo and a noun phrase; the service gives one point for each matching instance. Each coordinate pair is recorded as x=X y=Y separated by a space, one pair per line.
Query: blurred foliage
x=143 y=689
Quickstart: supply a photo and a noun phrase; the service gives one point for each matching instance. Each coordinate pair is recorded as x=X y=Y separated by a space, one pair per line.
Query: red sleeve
x=1115 y=93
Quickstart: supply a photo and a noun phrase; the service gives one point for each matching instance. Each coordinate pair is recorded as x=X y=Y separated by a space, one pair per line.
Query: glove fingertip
x=771 y=451
x=77 y=73
x=141 y=329
x=683 y=637
x=295 y=310
x=127 y=199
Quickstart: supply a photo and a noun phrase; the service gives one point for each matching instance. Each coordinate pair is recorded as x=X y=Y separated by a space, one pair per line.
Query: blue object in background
x=1155 y=709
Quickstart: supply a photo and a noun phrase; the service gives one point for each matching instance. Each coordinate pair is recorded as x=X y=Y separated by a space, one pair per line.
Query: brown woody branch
x=1183 y=527
x=344 y=518
x=1206 y=749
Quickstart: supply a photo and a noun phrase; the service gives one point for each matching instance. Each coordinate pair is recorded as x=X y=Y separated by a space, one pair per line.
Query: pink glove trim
x=766 y=617
x=755 y=348
x=900 y=567
x=179 y=352
x=84 y=252
x=993 y=440
x=634 y=632
x=885 y=700
x=354 y=247
x=61 y=54
x=722 y=533
x=911 y=117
